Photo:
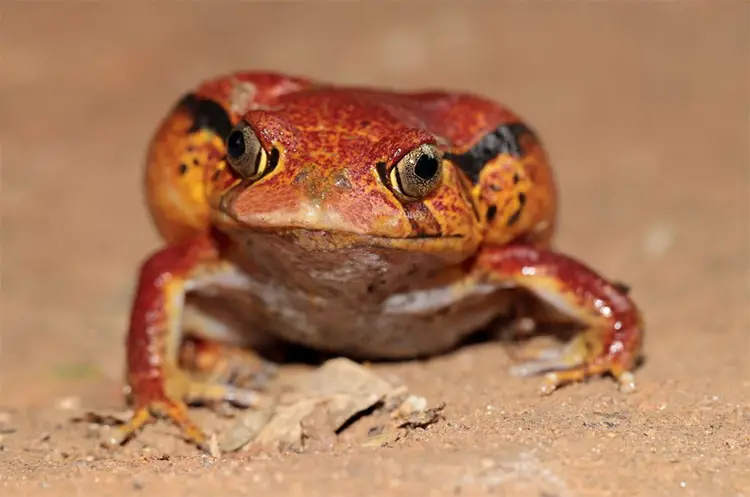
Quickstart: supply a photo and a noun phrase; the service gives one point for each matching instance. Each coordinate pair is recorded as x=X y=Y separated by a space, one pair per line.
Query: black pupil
x=427 y=167
x=236 y=144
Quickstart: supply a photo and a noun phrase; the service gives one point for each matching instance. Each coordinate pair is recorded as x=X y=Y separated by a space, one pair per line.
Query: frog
x=355 y=220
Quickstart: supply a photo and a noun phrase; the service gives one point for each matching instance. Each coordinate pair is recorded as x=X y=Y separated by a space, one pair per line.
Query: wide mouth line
x=226 y=212
x=301 y=229
x=288 y=229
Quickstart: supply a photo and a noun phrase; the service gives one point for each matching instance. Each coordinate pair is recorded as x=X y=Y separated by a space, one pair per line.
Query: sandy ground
x=644 y=109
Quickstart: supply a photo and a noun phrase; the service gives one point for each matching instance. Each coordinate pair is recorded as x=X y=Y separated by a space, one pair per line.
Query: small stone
x=71 y=403
x=213 y=446
x=409 y=406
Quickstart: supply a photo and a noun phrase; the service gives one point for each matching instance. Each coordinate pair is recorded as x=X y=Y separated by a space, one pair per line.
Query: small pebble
x=213 y=446
x=658 y=241
x=71 y=403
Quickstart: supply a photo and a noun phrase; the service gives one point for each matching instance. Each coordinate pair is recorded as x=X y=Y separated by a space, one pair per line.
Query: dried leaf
x=423 y=419
x=213 y=446
x=383 y=439
x=284 y=431
x=412 y=409
x=246 y=429
x=321 y=403
x=412 y=404
x=317 y=431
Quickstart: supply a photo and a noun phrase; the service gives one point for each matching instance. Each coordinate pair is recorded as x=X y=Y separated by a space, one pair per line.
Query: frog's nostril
x=341 y=180
x=300 y=177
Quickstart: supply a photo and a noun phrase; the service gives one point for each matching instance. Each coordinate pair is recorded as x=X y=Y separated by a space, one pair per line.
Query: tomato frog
x=365 y=222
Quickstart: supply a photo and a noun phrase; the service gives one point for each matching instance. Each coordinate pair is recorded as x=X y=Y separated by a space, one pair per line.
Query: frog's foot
x=226 y=363
x=613 y=337
x=554 y=379
x=172 y=410
x=169 y=401
x=569 y=364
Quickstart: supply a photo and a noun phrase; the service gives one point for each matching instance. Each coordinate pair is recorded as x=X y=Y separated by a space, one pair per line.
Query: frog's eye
x=245 y=153
x=418 y=173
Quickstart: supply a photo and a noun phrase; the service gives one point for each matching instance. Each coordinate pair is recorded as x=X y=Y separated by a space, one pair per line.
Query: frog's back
x=458 y=119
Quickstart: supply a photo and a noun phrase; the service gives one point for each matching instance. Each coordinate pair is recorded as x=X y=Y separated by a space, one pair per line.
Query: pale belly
x=407 y=325
x=359 y=302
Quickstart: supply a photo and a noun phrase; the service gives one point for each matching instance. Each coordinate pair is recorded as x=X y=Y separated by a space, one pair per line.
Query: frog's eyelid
x=384 y=169
x=392 y=177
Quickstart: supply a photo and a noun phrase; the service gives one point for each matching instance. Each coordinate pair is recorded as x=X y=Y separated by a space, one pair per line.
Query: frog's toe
x=537 y=366
x=125 y=432
x=226 y=363
x=170 y=399
x=250 y=372
x=212 y=392
x=548 y=359
x=555 y=379
x=570 y=364
x=175 y=412
x=626 y=382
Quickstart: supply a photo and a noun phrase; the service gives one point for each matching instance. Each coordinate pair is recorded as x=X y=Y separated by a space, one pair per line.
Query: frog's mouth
x=315 y=228
x=339 y=238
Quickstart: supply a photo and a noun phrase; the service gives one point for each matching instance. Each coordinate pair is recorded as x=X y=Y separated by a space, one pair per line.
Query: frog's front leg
x=157 y=385
x=612 y=340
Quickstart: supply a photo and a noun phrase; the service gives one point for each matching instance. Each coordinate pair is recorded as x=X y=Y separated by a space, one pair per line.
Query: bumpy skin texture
x=329 y=252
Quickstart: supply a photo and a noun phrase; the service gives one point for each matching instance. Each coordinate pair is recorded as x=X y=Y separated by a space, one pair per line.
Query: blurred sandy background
x=644 y=109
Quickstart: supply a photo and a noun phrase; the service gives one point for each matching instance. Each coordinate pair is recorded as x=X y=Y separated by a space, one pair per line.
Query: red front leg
x=158 y=386
x=613 y=338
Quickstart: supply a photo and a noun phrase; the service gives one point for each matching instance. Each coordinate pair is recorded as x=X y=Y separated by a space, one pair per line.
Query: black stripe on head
x=513 y=219
x=505 y=139
x=208 y=115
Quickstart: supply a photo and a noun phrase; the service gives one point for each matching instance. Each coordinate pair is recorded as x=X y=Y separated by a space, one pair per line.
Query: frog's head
x=350 y=173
